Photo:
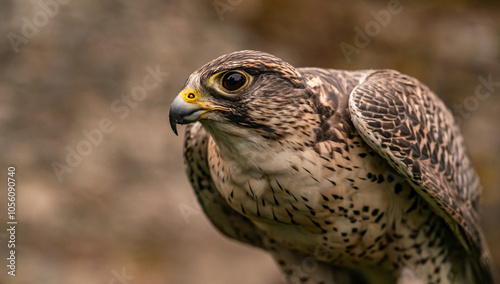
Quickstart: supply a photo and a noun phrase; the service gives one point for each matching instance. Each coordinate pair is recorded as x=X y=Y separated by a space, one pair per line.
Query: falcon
x=342 y=176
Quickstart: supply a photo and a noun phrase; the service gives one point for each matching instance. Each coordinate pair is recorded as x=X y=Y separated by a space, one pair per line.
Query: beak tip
x=173 y=125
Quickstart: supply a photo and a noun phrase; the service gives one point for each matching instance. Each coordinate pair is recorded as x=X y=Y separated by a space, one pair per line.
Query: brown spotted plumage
x=344 y=177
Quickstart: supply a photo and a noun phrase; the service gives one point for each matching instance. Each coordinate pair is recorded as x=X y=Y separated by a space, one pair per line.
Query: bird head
x=246 y=94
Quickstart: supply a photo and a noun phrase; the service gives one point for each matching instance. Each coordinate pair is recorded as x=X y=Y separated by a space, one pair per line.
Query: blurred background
x=85 y=89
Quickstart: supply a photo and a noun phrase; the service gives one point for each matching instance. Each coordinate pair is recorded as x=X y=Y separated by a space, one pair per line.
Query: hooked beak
x=182 y=112
x=188 y=107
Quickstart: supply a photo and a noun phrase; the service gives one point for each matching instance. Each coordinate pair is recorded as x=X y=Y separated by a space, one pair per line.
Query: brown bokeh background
x=127 y=208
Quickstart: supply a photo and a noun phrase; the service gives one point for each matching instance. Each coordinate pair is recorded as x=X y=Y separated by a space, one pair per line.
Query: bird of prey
x=343 y=176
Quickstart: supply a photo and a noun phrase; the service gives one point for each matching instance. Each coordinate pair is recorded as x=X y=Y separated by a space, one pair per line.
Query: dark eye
x=233 y=81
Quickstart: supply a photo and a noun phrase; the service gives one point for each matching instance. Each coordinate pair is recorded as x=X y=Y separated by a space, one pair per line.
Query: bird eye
x=233 y=81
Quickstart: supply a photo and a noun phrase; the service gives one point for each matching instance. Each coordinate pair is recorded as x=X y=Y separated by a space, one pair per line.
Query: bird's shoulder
x=329 y=91
x=409 y=126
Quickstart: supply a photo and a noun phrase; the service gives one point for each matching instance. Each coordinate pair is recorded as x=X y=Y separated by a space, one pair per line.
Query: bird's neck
x=254 y=152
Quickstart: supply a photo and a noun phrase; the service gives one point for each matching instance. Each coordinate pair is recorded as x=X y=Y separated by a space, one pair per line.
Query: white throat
x=252 y=153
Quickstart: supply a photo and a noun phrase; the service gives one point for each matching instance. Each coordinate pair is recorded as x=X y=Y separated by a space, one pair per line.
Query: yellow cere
x=190 y=95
